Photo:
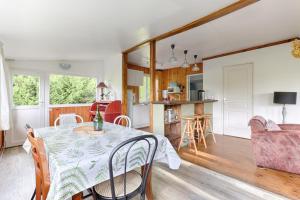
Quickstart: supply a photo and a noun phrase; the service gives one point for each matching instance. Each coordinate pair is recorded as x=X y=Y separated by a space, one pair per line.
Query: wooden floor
x=232 y=156
x=190 y=182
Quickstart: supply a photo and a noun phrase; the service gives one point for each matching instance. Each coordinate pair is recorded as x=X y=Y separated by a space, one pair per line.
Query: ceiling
x=91 y=29
x=260 y=23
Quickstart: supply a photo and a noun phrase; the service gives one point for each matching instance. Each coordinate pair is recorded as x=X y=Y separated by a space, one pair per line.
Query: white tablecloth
x=78 y=161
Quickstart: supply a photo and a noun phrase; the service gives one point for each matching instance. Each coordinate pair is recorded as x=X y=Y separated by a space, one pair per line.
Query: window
x=144 y=91
x=26 y=90
x=72 y=89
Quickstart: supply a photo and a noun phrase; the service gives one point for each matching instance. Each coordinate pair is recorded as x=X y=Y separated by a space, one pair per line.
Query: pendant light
x=195 y=67
x=172 y=59
x=185 y=64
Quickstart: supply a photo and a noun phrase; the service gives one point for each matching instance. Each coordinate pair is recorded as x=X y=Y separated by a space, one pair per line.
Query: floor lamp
x=285 y=98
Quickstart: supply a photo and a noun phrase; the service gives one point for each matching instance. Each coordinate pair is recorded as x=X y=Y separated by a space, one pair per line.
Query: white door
x=28 y=104
x=237 y=100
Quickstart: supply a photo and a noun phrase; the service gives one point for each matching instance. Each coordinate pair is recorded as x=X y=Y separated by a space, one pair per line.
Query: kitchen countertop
x=184 y=102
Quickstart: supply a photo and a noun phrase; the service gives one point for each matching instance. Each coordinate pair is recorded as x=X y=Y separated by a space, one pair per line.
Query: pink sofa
x=276 y=149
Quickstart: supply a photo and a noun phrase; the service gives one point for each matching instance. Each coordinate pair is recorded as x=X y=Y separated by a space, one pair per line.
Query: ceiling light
x=65 y=66
x=296 y=48
x=173 y=59
x=185 y=64
x=195 y=67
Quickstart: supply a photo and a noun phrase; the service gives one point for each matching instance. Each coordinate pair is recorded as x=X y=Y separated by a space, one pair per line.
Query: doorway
x=195 y=90
x=28 y=103
x=238 y=95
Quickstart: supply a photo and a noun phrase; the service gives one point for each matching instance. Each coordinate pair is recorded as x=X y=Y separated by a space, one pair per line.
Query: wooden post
x=124 y=83
x=2 y=141
x=152 y=79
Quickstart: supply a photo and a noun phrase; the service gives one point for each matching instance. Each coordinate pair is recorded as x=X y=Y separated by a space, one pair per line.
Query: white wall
x=275 y=69
x=81 y=68
x=113 y=74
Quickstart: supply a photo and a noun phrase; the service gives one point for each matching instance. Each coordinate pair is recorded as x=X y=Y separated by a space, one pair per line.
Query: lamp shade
x=285 y=97
x=101 y=85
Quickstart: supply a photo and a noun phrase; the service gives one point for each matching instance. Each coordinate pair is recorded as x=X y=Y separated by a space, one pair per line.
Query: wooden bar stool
x=207 y=125
x=199 y=129
x=189 y=132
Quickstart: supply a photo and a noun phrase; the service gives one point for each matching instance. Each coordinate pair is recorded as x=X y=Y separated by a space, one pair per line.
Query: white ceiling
x=263 y=22
x=90 y=29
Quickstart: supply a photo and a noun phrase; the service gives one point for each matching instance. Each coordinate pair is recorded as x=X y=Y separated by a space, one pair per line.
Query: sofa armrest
x=289 y=126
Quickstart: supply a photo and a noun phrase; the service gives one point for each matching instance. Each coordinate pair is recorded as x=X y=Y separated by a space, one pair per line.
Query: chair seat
x=133 y=182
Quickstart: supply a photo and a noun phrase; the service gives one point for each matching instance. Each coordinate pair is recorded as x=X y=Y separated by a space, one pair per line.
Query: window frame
x=41 y=87
x=147 y=91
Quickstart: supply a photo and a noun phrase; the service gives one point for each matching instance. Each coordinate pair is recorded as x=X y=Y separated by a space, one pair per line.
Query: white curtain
x=4 y=103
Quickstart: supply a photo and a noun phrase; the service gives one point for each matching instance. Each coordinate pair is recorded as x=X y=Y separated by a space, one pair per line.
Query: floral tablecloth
x=80 y=161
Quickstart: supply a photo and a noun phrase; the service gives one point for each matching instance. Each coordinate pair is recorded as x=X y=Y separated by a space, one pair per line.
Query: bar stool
x=199 y=129
x=207 y=125
x=189 y=132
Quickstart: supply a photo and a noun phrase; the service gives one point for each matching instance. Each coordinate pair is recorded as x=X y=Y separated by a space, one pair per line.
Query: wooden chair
x=42 y=175
x=131 y=183
x=29 y=130
x=65 y=119
x=123 y=120
x=189 y=132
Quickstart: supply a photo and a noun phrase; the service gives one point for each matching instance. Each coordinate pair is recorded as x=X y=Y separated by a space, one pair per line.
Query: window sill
x=69 y=105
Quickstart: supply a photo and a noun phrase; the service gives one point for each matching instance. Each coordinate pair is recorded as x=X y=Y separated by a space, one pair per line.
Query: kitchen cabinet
x=135 y=77
x=141 y=115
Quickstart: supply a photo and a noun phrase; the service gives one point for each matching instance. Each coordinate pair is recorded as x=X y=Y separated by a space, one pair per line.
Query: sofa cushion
x=272 y=126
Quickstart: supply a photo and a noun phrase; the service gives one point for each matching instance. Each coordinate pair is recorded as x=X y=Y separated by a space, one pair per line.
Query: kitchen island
x=167 y=116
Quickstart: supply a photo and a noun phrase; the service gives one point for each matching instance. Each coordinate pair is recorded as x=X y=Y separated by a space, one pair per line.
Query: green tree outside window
x=72 y=89
x=25 y=90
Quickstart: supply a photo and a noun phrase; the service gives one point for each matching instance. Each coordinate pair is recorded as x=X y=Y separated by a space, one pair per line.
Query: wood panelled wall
x=164 y=77
x=179 y=75
x=83 y=111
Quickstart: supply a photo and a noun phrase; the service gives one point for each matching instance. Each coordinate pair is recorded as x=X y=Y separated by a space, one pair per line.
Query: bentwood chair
x=130 y=183
x=119 y=120
x=42 y=175
x=65 y=119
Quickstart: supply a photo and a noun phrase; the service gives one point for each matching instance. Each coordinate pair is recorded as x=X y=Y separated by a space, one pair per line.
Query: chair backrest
x=41 y=165
x=67 y=119
x=112 y=111
x=102 y=106
x=123 y=118
x=257 y=123
x=145 y=154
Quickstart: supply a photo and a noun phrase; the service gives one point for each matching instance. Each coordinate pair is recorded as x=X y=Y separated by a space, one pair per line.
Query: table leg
x=77 y=196
x=149 y=193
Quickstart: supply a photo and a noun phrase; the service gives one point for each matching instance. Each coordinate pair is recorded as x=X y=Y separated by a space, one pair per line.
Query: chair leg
x=33 y=195
x=38 y=189
x=211 y=130
x=182 y=137
x=192 y=137
x=202 y=134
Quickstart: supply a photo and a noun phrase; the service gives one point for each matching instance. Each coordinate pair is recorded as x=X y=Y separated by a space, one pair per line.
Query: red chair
x=93 y=109
x=109 y=111
x=113 y=110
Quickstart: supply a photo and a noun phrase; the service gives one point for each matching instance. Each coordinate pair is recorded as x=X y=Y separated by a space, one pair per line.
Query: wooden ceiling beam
x=203 y=20
x=250 y=48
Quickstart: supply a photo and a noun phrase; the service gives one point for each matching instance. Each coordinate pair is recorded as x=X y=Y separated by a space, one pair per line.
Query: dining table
x=79 y=161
